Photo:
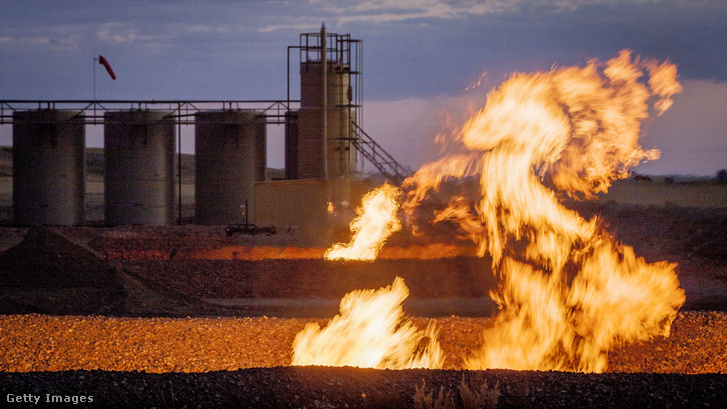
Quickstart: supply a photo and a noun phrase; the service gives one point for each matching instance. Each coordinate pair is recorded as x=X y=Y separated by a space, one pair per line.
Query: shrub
x=472 y=398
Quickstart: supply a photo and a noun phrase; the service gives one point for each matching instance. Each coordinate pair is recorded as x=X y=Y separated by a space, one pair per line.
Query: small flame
x=370 y=332
x=478 y=83
x=376 y=221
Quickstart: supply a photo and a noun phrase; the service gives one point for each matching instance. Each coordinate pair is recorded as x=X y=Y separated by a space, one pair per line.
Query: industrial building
x=325 y=147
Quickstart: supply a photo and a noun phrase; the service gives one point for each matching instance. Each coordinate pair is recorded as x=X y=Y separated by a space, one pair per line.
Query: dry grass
x=472 y=398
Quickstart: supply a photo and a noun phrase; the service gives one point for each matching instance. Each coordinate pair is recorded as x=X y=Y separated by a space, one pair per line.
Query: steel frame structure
x=184 y=111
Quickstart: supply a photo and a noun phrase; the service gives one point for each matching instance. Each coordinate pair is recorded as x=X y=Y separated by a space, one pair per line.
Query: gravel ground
x=697 y=344
x=206 y=362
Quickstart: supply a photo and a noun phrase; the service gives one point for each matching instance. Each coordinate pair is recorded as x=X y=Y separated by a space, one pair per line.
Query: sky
x=423 y=60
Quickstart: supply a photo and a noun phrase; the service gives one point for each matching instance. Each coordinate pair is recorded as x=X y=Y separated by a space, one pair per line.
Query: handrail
x=93 y=110
x=377 y=155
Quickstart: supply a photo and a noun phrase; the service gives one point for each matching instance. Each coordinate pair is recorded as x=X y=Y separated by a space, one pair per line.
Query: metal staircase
x=374 y=153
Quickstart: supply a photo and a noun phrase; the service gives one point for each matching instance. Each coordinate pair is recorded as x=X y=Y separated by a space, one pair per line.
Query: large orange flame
x=370 y=332
x=569 y=292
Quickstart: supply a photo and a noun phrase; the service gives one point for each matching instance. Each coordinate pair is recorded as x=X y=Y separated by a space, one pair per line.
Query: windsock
x=105 y=63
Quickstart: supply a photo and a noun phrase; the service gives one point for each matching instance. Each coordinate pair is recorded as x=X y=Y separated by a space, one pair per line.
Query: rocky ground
x=58 y=343
x=243 y=362
x=322 y=387
x=120 y=316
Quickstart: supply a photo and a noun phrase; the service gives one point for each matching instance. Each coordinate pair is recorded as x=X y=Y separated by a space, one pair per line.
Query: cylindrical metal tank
x=291 y=145
x=230 y=156
x=48 y=167
x=139 y=166
x=341 y=157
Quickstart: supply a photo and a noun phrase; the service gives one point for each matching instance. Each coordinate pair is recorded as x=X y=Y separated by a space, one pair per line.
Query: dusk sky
x=421 y=59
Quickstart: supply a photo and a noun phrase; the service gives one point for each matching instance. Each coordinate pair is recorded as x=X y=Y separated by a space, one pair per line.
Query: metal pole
x=324 y=104
x=94 y=78
x=179 y=162
x=288 y=77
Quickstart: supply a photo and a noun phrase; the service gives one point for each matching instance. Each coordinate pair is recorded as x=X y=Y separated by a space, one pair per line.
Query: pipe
x=179 y=163
x=324 y=104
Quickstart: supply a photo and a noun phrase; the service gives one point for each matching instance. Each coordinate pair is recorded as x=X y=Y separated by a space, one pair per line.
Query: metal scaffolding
x=93 y=111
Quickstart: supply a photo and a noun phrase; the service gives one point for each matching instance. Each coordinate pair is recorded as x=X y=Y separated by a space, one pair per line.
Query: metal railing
x=184 y=111
x=377 y=156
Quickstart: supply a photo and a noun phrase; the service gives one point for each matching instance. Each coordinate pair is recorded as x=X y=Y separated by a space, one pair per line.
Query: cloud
x=302 y=28
x=52 y=40
x=379 y=11
x=207 y=28
x=127 y=34
x=109 y=33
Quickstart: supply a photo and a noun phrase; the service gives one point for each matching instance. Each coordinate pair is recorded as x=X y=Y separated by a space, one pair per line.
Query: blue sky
x=419 y=58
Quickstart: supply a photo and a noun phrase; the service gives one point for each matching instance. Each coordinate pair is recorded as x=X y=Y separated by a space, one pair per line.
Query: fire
x=377 y=220
x=568 y=292
x=370 y=332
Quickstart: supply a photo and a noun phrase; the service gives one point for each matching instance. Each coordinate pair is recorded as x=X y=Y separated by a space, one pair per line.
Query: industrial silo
x=311 y=147
x=325 y=134
x=230 y=156
x=48 y=168
x=139 y=165
x=291 y=145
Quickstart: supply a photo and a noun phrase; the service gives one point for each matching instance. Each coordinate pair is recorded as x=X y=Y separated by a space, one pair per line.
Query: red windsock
x=105 y=63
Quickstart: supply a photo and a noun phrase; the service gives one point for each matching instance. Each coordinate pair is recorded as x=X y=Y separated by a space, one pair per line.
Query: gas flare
x=569 y=292
x=370 y=332
x=376 y=221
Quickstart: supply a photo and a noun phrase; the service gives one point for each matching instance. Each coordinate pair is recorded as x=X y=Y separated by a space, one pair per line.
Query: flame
x=377 y=220
x=569 y=292
x=478 y=83
x=427 y=181
x=370 y=332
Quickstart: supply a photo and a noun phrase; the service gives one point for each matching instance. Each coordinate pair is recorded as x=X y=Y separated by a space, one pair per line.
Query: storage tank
x=139 y=165
x=341 y=155
x=291 y=145
x=48 y=167
x=230 y=156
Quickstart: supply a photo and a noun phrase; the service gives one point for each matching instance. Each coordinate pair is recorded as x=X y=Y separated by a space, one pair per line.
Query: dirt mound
x=48 y=259
x=50 y=273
